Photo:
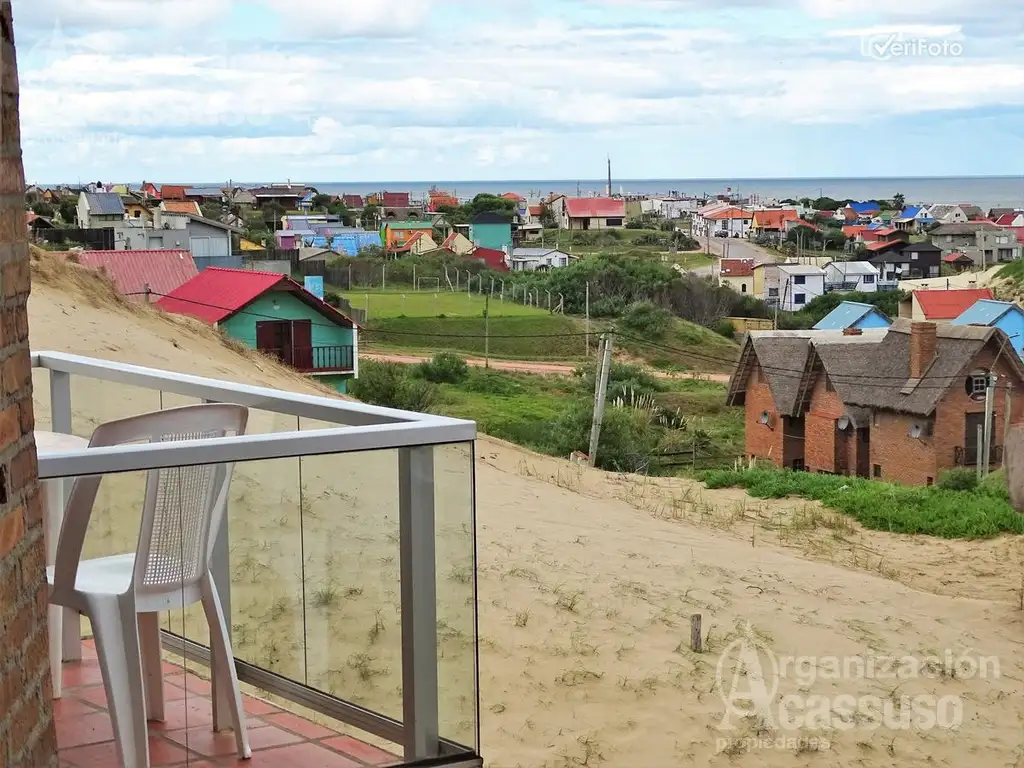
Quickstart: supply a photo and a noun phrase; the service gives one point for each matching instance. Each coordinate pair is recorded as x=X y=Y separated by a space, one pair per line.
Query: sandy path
x=522 y=366
x=586 y=584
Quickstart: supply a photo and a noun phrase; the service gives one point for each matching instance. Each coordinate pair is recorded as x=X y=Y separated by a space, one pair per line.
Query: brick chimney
x=923 y=343
x=852 y=331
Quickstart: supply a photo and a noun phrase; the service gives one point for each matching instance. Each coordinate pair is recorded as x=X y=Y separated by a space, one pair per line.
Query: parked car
x=721 y=233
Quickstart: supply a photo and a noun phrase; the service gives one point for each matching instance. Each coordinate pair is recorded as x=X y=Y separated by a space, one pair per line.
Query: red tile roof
x=773 y=219
x=217 y=293
x=408 y=244
x=513 y=196
x=182 y=206
x=885 y=231
x=396 y=199
x=730 y=213
x=172 y=192
x=854 y=230
x=737 y=267
x=946 y=305
x=352 y=201
x=494 y=258
x=594 y=207
x=878 y=245
x=535 y=210
x=956 y=257
x=131 y=271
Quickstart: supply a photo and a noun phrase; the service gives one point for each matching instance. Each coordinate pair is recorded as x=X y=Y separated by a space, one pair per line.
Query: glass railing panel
x=352 y=578
x=455 y=543
x=95 y=402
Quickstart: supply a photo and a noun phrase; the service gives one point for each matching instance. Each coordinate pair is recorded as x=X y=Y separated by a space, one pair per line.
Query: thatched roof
x=869 y=371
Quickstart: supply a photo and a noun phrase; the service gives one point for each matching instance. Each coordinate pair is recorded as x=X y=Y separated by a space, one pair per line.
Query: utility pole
x=487 y=331
x=587 y=338
x=990 y=401
x=600 y=395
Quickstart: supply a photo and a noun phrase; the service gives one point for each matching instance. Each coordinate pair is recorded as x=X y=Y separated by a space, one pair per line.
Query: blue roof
x=909 y=212
x=865 y=207
x=844 y=316
x=984 y=312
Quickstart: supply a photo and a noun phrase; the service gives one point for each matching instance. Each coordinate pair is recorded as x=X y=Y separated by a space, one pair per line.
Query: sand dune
x=587 y=582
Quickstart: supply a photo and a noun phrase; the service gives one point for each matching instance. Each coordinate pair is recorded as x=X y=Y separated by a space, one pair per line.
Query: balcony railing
x=322 y=359
x=347 y=562
x=962 y=459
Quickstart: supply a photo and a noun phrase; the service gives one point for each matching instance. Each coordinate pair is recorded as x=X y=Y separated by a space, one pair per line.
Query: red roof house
x=513 y=196
x=172 y=192
x=594 y=208
x=947 y=305
x=396 y=200
x=492 y=257
x=352 y=201
x=217 y=293
x=132 y=271
x=737 y=267
x=773 y=220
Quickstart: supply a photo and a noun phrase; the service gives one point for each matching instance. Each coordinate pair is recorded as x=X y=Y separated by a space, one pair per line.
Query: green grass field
x=429 y=304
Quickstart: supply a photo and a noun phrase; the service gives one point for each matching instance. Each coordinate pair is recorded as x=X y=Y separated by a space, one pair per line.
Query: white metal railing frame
x=366 y=428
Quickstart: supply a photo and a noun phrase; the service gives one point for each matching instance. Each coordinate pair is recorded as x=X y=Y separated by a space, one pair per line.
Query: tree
x=212 y=210
x=68 y=212
x=547 y=216
x=321 y=202
x=899 y=202
x=272 y=213
x=370 y=217
x=43 y=208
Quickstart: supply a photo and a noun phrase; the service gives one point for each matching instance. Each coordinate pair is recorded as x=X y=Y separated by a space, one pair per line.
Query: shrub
x=645 y=318
x=627 y=443
x=725 y=328
x=958 y=480
x=445 y=368
x=486 y=382
x=388 y=385
x=994 y=485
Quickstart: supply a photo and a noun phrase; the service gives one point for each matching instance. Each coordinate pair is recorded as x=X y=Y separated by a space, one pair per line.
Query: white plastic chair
x=122 y=595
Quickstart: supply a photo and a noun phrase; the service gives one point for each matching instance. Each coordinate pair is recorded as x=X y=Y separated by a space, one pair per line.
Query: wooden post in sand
x=1013 y=460
x=696 y=637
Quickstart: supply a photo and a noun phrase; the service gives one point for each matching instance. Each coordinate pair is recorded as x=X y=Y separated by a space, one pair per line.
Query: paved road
x=734 y=248
x=522 y=366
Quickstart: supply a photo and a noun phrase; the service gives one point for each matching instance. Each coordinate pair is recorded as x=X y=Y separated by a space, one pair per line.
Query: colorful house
x=1004 y=315
x=491 y=230
x=272 y=313
x=395 y=234
x=853 y=314
x=457 y=243
x=939 y=306
x=421 y=242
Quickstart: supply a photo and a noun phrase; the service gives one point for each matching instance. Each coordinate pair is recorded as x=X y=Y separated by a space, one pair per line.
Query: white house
x=948 y=214
x=730 y=220
x=851 y=276
x=533 y=259
x=97 y=210
x=798 y=285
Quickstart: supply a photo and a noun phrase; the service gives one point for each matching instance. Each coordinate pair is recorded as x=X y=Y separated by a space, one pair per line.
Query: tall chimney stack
x=923 y=343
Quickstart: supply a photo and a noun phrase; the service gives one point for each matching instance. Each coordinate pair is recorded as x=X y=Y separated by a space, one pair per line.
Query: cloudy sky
x=378 y=90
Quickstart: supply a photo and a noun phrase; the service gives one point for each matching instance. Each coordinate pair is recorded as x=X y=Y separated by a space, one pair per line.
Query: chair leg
x=117 y=646
x=152 y=664
x=220 y=646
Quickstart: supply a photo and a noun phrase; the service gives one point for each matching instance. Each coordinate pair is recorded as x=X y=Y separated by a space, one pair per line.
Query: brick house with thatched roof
x=900 y=404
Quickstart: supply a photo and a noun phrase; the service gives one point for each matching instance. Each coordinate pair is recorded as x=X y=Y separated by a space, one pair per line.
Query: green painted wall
x=495 y=236
x=242 y=326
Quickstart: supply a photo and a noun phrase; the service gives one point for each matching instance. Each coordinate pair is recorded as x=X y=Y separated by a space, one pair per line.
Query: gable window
x=800 y=279
x=743 y=287
x=976 y=384
x=869 y=279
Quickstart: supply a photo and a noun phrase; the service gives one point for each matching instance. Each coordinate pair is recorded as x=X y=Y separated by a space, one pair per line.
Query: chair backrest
x=184 y=506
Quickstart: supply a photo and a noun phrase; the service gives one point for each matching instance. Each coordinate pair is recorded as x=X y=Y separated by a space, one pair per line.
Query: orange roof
x=946 y=305
x=513 y=196
x=536 y=210
x=737 y=267
x=729 y=213
x=775 y=219
x=852 y=230
x=880 y=245
x=182 y=206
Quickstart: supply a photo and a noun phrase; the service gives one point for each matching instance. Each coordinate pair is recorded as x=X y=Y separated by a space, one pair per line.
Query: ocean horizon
x=983 y=191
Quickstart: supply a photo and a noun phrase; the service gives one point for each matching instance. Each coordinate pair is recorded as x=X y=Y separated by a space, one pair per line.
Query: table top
x=56 y=442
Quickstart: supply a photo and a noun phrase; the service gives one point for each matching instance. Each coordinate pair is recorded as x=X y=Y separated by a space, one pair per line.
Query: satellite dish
x=915 y=431
x=844 y=422
x=766 y=418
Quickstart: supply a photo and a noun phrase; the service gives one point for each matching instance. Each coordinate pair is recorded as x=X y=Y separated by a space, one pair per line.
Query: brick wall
x=26 y=708
x=903 y=459
x=762 y=442
x=820 y=435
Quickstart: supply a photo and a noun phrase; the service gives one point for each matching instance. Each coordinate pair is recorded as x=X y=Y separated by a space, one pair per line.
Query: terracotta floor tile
x=71 y=706
x=185 y=713
x=296 y=724
x=190 y=683
x=93 y=694
x=161 y=753
x=259 y=707
x=210 y=744
x=84 y=729
x=304 y=755
x=85 y=672
x=361 y=750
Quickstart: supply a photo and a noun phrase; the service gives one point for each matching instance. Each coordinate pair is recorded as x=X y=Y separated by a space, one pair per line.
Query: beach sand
x=587 y=584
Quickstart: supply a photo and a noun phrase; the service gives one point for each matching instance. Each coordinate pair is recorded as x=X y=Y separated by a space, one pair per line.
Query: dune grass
x=981 y=513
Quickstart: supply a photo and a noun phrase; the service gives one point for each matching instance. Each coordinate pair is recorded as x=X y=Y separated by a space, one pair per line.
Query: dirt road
x=522 y=366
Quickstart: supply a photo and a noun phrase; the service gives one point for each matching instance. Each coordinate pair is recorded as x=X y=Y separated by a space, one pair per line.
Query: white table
x=65 y=624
